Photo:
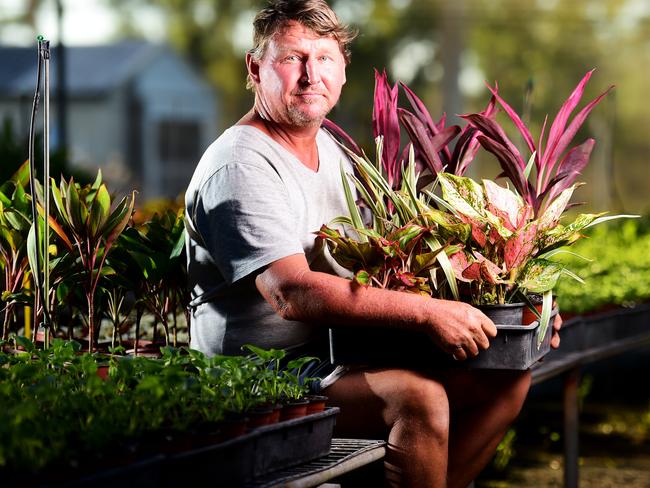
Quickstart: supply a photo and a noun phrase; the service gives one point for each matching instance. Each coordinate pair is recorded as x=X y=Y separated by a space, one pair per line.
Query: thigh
x=372 y=400
x=467 y=388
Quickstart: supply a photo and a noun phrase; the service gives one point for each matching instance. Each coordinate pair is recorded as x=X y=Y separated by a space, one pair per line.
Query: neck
x=300 y=141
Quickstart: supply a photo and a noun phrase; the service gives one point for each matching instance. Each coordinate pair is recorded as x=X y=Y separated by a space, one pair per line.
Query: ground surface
x=614 y=431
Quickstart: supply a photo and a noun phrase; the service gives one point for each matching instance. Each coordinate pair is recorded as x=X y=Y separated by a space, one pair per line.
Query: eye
x=292 y=58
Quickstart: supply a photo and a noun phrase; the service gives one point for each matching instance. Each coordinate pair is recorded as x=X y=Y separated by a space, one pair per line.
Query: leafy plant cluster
x=102 y=266
x=615 y=268
x=437 y=232
x=130 y=412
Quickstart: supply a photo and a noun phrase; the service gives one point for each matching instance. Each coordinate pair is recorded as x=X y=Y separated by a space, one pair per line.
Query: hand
x=460 y=329
x=555 y=338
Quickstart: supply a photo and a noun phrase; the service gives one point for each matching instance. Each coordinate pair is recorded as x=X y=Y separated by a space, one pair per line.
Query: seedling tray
x=514 y=347
x=230 y=463
x=265 y=449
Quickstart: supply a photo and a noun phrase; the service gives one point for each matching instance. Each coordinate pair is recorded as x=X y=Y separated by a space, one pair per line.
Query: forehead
x=294 y=35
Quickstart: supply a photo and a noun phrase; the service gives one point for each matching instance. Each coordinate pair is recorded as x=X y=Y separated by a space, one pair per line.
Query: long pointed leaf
x=555 y=151
x=523 y=130
x=445 y=264
x=352 y=206
x=562 y=117
x=547 y=308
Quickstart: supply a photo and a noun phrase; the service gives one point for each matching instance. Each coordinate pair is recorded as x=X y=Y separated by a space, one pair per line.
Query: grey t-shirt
x=249 y=203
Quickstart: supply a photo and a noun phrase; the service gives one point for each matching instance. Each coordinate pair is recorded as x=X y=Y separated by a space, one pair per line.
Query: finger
x=482 y=341
x=472 y=349
x=557 y=323
x=555 y=340
x=459 y=354
x=489 y=328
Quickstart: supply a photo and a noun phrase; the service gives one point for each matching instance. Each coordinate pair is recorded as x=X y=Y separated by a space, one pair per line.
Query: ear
x=253 y=68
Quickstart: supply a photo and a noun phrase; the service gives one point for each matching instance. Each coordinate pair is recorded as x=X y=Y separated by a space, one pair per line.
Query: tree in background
x=444 y=50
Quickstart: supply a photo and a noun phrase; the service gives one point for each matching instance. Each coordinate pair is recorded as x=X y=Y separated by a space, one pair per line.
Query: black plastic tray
x=229 y=464
x=257 y=453
x=514 y=347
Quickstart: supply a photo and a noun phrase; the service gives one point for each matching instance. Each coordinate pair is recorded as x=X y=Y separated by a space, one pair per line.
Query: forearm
x=297 y=293
x=331 y=300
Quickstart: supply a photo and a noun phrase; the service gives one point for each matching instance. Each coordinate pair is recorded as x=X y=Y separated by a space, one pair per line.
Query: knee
x=422 y=404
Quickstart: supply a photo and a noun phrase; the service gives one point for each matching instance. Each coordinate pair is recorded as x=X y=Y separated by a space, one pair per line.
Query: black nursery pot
x=504 y=314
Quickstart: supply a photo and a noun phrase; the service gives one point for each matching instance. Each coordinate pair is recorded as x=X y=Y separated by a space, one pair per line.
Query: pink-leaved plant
x=556 y=169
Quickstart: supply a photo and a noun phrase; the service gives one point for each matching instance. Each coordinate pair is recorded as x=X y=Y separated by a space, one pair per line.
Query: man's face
x=299 y=79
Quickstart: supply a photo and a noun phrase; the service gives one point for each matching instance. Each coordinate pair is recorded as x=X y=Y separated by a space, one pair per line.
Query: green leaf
x=445 y=264
x=58 y=201
x=342 y=220
x=352 y=206
x=119 y=219
x=31 y=255
x=76 y=215
x=547 y=308
x=362 y=277
x=425 y=261
x=25 y=343
x=571 y=274
x=178 y=246
x=99 y=211
x=463 y=194
x=529 y=166
x=539 y=275
x=600 y=220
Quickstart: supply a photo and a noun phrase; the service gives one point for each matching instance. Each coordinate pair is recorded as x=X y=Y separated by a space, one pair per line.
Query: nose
x=312 y=71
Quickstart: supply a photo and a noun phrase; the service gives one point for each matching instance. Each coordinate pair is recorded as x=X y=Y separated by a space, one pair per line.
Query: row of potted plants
x=437 y=232
x=68 y=410
x=104 y=266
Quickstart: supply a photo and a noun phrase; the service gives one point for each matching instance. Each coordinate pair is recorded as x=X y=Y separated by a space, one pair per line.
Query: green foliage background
x=619 y=270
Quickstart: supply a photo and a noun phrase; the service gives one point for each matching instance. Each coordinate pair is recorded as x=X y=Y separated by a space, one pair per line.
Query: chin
x=307 y=118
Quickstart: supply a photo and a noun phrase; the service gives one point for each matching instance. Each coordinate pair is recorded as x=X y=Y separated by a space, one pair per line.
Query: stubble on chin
x=301 y=118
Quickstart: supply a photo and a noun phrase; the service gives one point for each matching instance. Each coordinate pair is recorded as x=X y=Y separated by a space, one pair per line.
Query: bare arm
x=297 y=293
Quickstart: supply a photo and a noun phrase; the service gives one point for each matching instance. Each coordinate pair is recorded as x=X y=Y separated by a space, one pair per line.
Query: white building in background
x=134 y=109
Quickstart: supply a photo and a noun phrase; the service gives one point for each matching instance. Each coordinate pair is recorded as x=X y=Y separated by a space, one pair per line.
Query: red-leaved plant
x=431 y=139
x=556 y=169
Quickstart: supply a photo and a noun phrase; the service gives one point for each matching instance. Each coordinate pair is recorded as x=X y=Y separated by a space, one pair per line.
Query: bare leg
x=483 y=404
x=405 y=407
x=412 y=410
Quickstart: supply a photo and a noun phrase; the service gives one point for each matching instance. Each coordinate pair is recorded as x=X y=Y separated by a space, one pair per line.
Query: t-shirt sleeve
x=245 y=219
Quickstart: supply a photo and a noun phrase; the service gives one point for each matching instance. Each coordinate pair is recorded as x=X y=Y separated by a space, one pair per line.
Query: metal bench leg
x=571 y=423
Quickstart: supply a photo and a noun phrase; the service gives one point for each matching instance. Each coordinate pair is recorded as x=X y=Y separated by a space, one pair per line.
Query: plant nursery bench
x=584 y=340
x=345 y=456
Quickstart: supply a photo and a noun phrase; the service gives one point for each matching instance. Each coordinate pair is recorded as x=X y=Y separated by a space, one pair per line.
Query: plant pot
x=232 y=426
x=261 y=415
x=528 y=317
x=504 y=314
x=294 y=409
x=316 y=403
x=102 y=371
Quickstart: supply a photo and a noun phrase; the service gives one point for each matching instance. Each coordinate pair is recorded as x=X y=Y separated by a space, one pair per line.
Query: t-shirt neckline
x=289 y=153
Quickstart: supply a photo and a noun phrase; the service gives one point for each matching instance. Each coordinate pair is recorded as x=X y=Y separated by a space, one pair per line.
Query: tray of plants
x=417 y=225
x=261 y=451
x=515 y=347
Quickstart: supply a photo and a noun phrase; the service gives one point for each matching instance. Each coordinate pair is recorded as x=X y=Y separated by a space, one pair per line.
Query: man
x=260 y=276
